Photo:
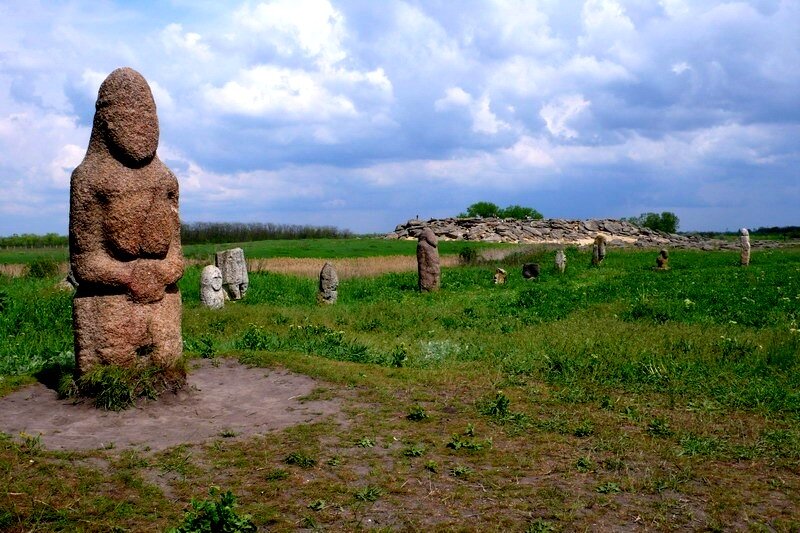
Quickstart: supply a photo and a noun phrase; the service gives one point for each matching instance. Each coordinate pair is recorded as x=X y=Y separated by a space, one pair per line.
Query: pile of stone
x=559 y=232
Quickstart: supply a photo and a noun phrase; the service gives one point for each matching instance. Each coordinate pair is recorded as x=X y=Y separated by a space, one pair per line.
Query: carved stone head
x=125 y=117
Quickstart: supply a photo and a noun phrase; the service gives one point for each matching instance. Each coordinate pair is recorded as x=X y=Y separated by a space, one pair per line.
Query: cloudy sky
x=363 y=114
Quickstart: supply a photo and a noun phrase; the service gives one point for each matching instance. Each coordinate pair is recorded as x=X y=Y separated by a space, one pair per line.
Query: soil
x=221 y=396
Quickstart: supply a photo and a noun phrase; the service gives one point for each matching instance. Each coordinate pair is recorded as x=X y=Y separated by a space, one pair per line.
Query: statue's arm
x=171 y=267
x=90 y=261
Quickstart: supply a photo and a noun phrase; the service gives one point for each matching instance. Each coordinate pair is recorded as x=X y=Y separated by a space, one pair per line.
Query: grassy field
x=320 y=248
x=608 y=398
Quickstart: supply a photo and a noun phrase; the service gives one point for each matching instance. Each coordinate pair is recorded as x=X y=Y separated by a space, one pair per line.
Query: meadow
x=298 y=248
x=606 y=398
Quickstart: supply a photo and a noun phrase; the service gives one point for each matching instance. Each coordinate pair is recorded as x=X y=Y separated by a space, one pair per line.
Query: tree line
x=667 y=221
x=202 y=233
x=31 y=240
x=224 y=232
x=489 y=209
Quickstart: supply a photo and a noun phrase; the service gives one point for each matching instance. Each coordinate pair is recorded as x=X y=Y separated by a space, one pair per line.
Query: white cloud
x=453 y=97
x=680 y=68
x=287 y=94
x=529 y=152
x=557 y=113
x=313 y=28
x=483 y=119
x=174 y=38
x=275 y=92
x=68 y=157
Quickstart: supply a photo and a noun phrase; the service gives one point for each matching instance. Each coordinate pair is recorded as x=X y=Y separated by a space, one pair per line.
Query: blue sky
x=363 y=114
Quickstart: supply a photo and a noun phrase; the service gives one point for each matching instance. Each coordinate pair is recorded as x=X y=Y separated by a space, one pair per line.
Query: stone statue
x=124 y=236
x=211 y=293
x=561 y=261
x=500 y=276
x=328 y=284
x=662 y=261
x=530 y=270
x=599 y=249
x=234 y=272
x=744 y=237
x=428 y=261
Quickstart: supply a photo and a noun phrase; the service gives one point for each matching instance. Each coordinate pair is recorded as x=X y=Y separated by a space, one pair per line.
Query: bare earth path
x=228 y=397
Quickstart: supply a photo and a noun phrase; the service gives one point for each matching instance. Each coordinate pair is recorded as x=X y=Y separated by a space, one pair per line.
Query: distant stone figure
x=124 y=233
x=561 y=261
x=328 y=284
x=500 y=276
x=599 y=250
x=744 y=237
x=428 y=260
x=530 y=270
x=234 y=272
x=211 y=293
x=662 y=261
x=68 y=283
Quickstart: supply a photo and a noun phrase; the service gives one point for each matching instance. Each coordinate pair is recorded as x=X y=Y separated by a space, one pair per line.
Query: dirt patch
x=228 y=398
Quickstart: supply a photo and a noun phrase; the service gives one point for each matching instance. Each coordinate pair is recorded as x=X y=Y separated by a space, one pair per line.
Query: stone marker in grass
x=500 y=276
x=428 y=260
x=328 y=284
x=124 y=233
x=599 y=249
x=530 y=270
x=234 y=272
x=211 y=293
x=561 y=261
x=744 y=237
x=662 y=261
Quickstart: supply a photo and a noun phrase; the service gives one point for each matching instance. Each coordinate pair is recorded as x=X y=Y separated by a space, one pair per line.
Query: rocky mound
x=558 y=232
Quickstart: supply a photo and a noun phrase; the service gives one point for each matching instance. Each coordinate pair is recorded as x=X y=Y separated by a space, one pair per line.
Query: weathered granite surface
x=428 y=265
x=124 y=231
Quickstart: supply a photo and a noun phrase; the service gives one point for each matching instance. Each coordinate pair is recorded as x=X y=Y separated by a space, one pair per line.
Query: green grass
x=588 y=398
x=321 y=248
x=329 y=248
x=29 y=255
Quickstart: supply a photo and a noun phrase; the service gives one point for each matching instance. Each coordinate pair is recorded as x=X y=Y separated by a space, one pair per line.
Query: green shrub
x=468 y=255
x=217 y=514
x=43 y=268
x=115 y=388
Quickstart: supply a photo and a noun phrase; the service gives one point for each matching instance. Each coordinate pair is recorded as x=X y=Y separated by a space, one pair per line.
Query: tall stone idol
x=211 y=293
x=428 y=260
x=124 y=236
x=234 y=272
x=328 y=284
x=744 y=237
x=599 y=249
x=561 y=261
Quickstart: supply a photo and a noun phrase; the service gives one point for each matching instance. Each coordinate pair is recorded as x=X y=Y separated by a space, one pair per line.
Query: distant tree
x=667 y=222
x=519 y=212
x=481 y=209
x=488 y=209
